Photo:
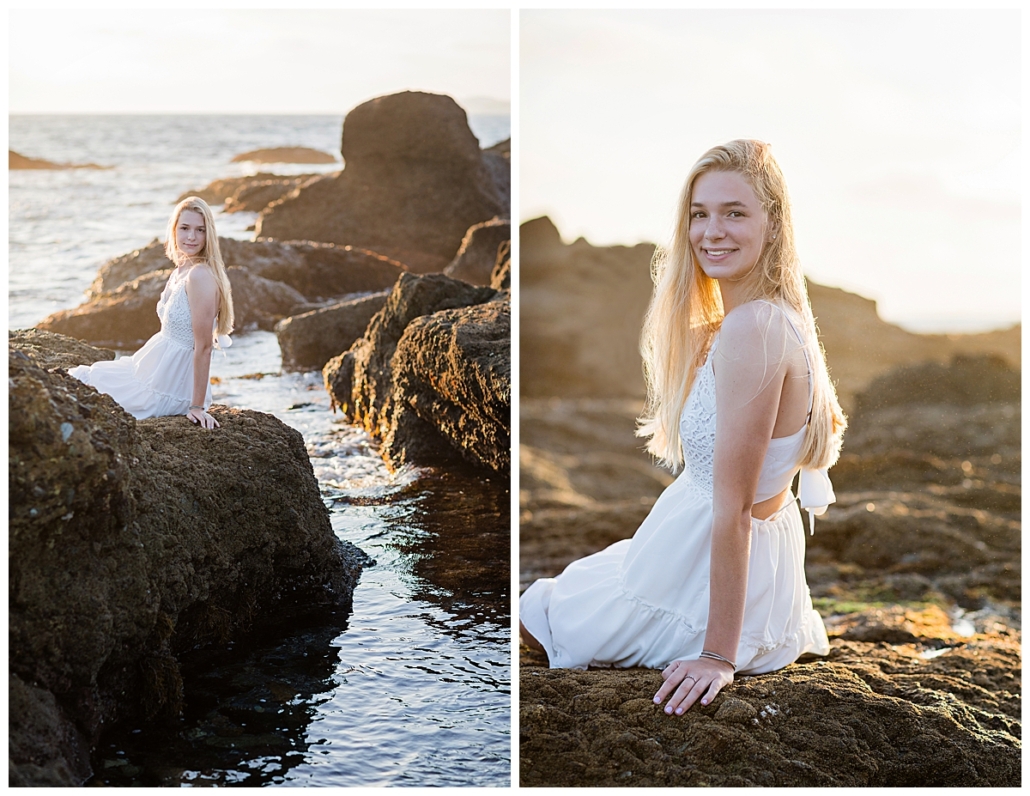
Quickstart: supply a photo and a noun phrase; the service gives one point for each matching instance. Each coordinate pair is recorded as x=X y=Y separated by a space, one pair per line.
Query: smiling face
x=728 y=227
x=190 y=233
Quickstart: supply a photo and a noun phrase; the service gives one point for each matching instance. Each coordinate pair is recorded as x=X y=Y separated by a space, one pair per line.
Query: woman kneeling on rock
x=169 y=375
x=713 y=582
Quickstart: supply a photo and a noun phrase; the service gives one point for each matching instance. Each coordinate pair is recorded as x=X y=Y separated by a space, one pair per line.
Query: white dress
x=158 y=379
x=644 y=601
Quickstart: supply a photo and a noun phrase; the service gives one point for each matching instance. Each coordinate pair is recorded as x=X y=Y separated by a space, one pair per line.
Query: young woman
x=170 y=374
x=713 y=581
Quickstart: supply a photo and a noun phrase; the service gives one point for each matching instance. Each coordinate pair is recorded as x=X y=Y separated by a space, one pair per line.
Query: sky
x=898 y=132
x=252 y=61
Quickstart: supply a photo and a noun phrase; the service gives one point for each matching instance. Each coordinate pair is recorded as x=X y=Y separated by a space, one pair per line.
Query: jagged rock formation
x=431 y=377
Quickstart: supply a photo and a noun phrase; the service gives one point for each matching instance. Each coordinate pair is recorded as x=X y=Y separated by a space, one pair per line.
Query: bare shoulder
x=756 y=326
x=201 y=281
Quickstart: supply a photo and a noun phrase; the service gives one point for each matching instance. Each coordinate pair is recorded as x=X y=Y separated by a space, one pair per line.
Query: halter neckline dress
x=157 y=380
x=644 y=601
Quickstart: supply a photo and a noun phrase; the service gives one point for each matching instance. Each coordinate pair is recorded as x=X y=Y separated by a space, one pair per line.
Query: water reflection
x=247 y=716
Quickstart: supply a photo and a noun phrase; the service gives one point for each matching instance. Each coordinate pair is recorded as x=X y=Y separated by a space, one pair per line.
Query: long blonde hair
x=211 y=256
x=686 y=310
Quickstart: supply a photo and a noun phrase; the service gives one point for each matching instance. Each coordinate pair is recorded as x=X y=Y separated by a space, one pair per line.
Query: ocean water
x=413 y=688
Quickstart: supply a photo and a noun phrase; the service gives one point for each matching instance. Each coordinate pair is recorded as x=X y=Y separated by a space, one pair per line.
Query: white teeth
x=718 y=252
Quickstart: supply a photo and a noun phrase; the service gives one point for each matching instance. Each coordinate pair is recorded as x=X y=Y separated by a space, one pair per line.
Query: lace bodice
x=173 y=309
x=697 y=427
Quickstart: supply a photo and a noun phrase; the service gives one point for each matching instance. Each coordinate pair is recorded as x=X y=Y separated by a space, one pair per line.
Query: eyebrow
x=733 y=203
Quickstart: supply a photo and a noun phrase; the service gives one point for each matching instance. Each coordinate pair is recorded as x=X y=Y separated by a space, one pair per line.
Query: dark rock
x=868 y=716
x=452 y=370
x=51 y=350
x=309 y=340
x=415 y=180
x=478 y=255
x=363 y=380
x=131 y=542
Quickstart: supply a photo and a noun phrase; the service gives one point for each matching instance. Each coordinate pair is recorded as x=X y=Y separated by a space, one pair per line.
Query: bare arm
x=750 y=368
x=202 y=293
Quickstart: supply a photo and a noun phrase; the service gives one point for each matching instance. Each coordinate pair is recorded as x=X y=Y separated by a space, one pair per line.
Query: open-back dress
x=158 y=379
x=644 y=601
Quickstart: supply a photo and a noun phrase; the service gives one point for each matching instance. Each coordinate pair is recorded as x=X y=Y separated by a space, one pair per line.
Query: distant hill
x=582 y=307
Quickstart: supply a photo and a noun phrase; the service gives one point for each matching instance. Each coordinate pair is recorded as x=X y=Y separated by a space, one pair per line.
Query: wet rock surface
x=133 y=542
x=435 y=391
x=415 y=181
x=915 y=569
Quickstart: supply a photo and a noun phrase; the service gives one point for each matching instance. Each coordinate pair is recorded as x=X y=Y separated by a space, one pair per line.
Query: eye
x=698 y=214
x=736 y=214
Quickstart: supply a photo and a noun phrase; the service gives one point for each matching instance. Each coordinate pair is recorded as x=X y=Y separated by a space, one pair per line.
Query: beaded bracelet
x=201 y=408
x=715 y=656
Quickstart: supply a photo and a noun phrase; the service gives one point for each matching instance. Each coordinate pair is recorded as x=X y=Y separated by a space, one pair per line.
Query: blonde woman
x=170 y=374
x=739 y=397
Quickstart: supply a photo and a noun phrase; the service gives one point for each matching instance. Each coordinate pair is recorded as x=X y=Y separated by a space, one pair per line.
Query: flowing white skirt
x=644 y=601
x=156 y=381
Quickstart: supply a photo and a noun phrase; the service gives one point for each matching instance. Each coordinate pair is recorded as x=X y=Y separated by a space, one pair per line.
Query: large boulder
x=311 y=339
x=870 y=715
x=476 y=259
x=132 y=542
x=127 y=317
x=452 y=376
x=411 y=395
x=316 y=270
x=415 y=180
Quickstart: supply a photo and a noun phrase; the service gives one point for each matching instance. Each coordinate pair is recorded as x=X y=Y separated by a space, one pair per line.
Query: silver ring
x=690 y=676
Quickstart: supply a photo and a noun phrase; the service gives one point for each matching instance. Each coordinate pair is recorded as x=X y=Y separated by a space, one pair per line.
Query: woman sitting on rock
x=713 y=582
x=169 y=375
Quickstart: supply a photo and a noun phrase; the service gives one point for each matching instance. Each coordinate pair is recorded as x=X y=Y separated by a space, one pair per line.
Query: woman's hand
x=689 y=681
x=201 y=418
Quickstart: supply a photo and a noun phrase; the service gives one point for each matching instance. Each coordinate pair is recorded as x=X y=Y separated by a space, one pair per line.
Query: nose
x=714 y=230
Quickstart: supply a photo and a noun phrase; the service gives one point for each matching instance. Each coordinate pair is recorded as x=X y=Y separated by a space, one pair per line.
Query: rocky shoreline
x=418 y=196
x=132 y=543
x=915 y=569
